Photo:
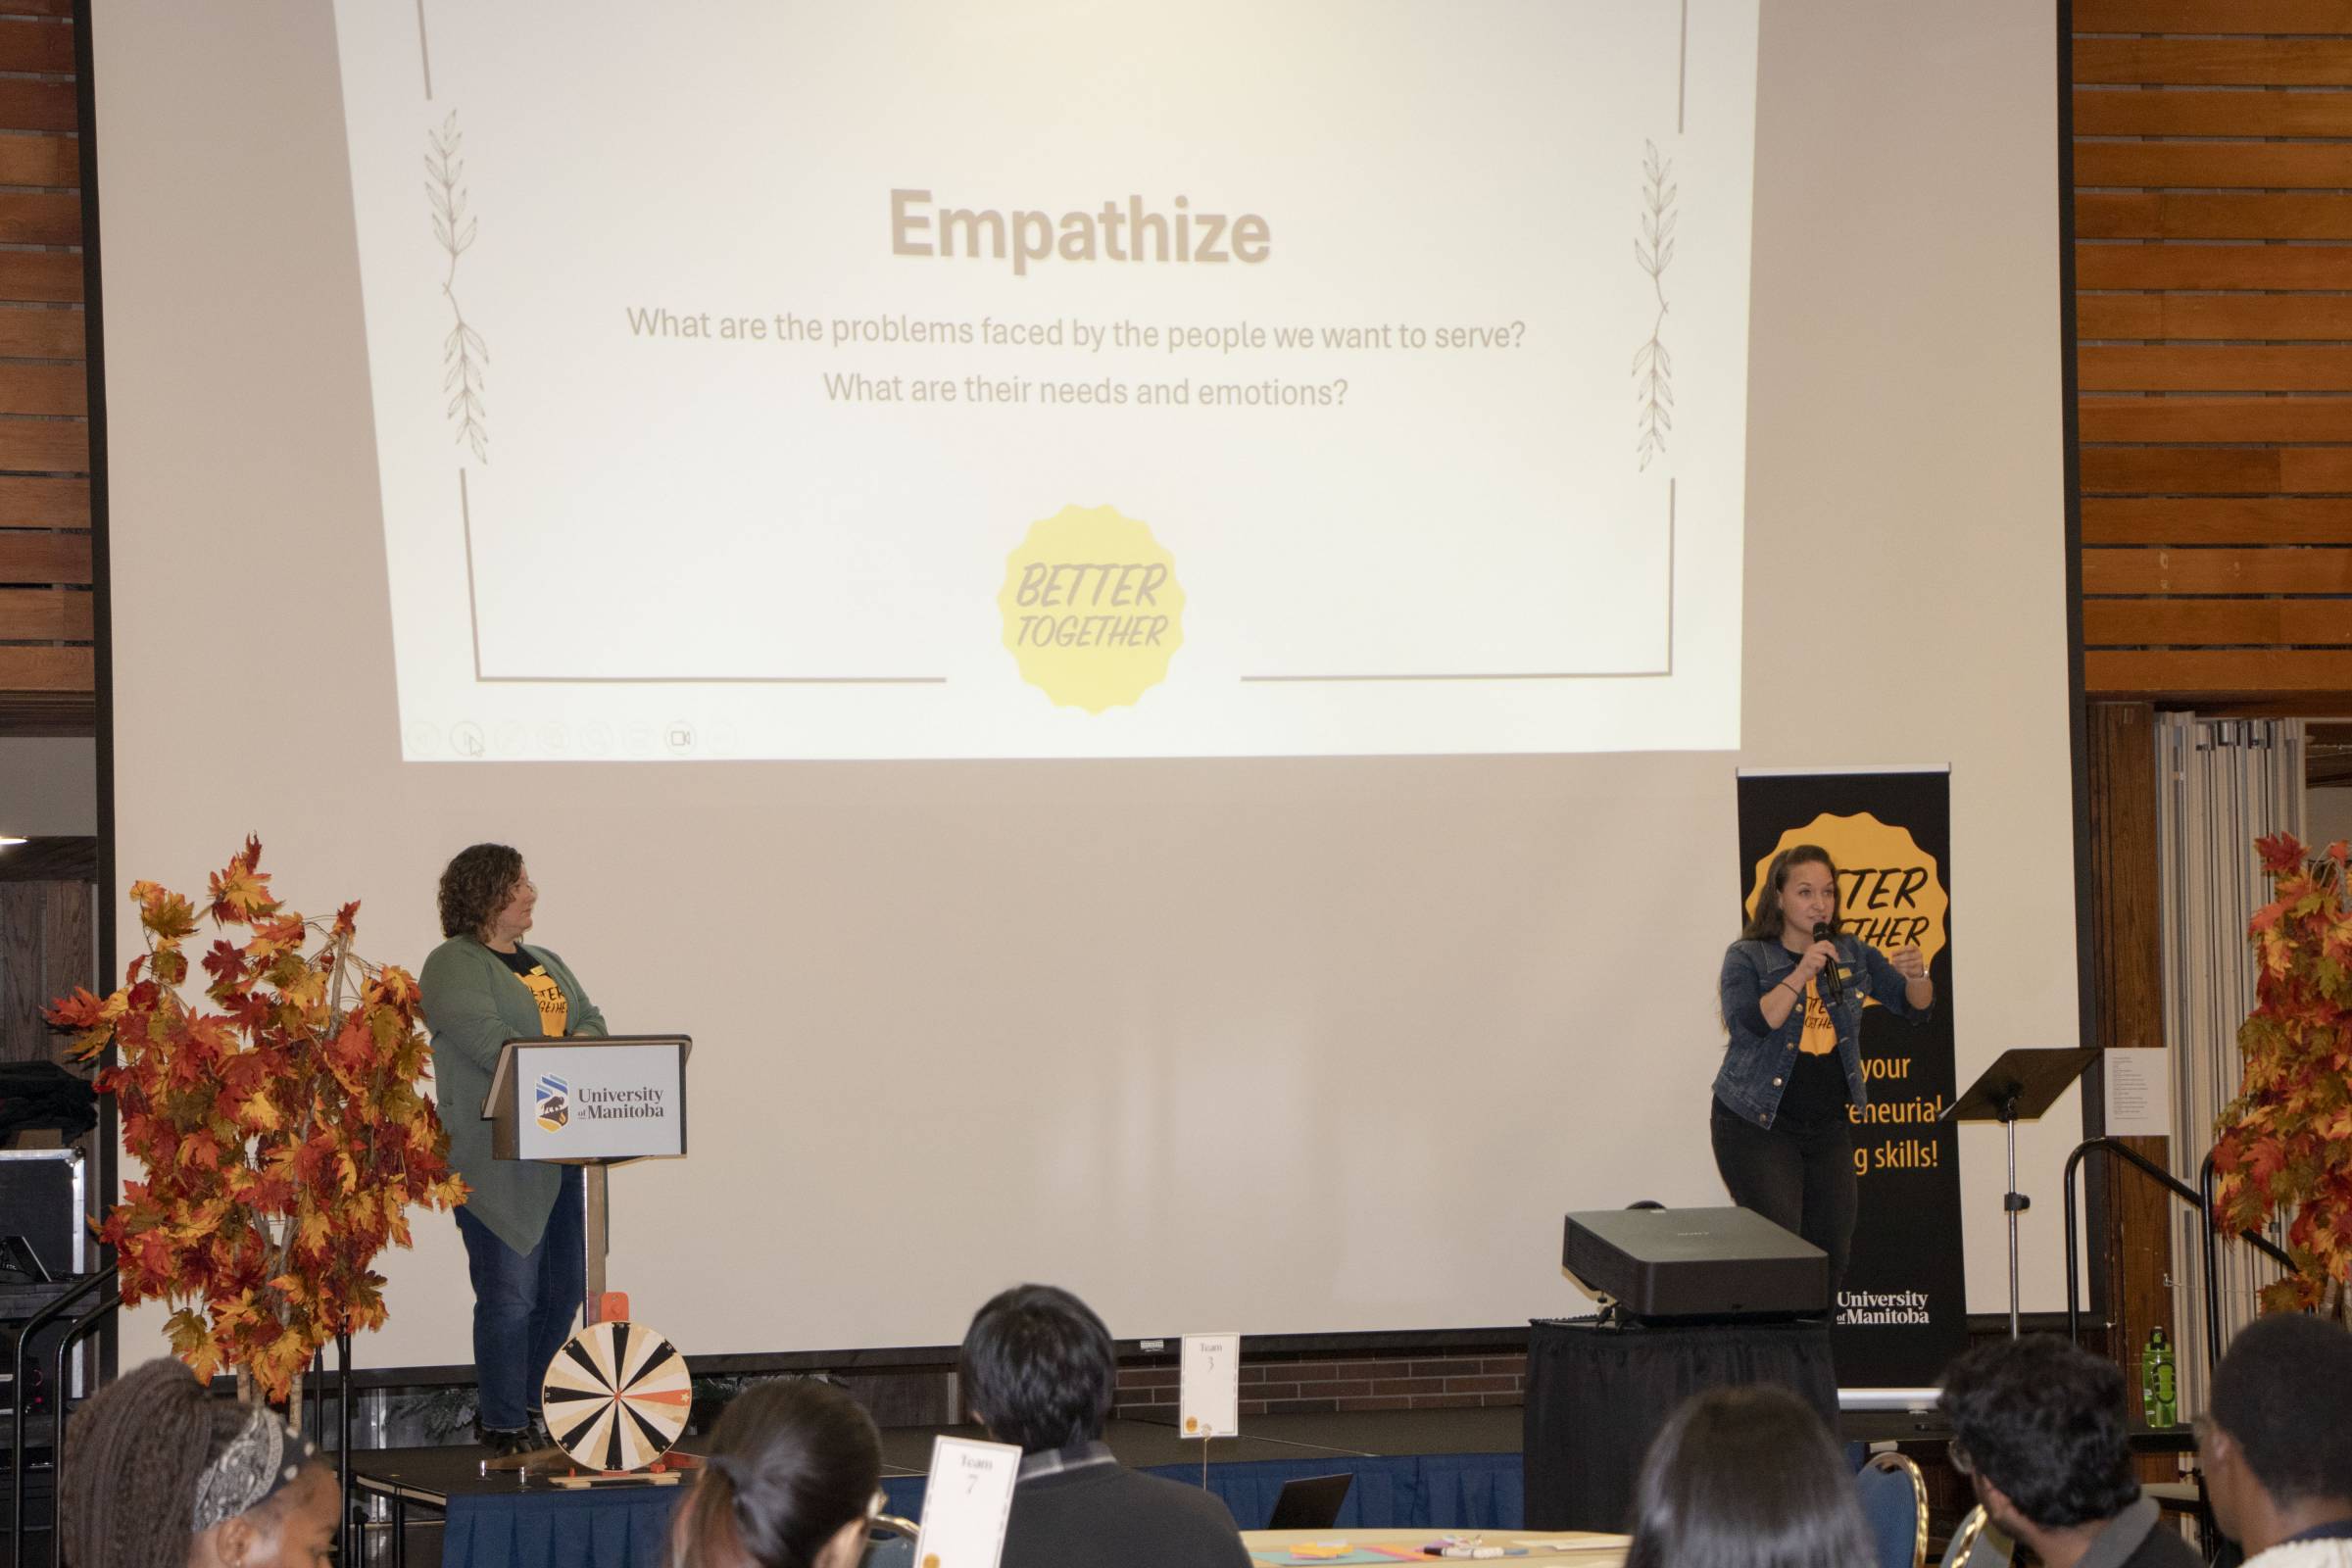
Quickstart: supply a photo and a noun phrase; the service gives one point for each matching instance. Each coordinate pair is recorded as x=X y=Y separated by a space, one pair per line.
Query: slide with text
x=1047 y=379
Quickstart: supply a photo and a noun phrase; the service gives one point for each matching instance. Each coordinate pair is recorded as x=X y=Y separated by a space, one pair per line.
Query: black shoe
x=502 y=1441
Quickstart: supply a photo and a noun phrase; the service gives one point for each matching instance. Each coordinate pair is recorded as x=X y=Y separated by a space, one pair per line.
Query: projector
x=1695 y=1265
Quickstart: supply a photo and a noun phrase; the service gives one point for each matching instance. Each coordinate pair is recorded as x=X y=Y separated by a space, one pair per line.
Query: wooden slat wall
x=2212 y=224
x=46 y=620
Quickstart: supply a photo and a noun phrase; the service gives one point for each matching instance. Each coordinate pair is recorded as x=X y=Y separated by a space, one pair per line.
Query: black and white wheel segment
x=616 y=1396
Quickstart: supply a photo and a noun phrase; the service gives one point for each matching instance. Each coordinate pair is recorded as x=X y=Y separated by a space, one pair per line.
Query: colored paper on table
x=1284 y=1559
x=967 y=1503
x=1208 y=1401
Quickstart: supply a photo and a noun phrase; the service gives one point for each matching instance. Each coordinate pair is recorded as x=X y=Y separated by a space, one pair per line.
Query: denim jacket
x=1756 y=1062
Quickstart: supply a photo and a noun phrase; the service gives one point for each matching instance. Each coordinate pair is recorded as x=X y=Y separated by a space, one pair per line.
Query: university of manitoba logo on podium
x=552 y=1101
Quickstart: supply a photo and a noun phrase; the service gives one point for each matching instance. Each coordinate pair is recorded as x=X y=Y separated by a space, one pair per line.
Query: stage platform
x=1413 y=1469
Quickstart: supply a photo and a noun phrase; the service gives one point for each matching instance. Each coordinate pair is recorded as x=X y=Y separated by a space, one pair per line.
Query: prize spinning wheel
x=616 y=1396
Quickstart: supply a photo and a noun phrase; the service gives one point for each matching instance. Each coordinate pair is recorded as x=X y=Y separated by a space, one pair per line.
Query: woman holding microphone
x=1793 y=991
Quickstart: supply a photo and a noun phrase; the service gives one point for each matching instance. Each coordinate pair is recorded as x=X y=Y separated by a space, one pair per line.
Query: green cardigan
x=473 y=1003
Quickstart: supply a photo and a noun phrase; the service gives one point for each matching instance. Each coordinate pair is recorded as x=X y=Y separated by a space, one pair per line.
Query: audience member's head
x=2038 y=1426
x=1747 y=1478
x=160 y=1472
x=2277 y=1442
x=790 y=1482
x=1037 y=1369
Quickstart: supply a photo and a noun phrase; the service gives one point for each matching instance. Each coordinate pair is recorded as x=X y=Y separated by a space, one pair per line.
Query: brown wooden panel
x=45 y=446
x=2324 y=570
x=30 y=332
x=2173 y=368
x=2213 y=16
x=62 y=7
x=2180 y=417
x=2164 y=216
x=26 y=105
x=44 y=275
x=48 y=388
x=2216 y=62
x=2125 y=908
x=2244 y=165
x=28 y=501
x=68 y=949
x=19 y=968
x=2217 y=471
x=39 y=218
x=2176 y=111
x=57 y=858
x=40 y=161
x=39 y=47
x=2216 y=622
x=2206 y=265
x=2175 y=470
x=45 y=614
x=46 y=669
x=76 y=713
x=2267 y=318
x=2235 y=672
x=2164 y=519
x=36 y=555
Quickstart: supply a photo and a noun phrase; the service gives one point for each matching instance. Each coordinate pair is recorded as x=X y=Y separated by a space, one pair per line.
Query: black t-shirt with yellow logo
x=1816 y=1090
x=554 y=1012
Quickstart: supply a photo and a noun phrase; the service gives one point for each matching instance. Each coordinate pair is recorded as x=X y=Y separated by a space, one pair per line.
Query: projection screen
x=1285 y=1005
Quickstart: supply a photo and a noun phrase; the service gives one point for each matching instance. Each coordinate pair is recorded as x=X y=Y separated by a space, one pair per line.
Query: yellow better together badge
x=1091 y=608
x=1889 y=891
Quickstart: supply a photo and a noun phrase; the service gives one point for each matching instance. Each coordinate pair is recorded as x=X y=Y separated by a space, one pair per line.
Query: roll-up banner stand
x=1902 y=1312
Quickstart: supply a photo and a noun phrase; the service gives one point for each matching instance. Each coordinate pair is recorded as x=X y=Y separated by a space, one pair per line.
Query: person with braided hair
x=794 y=1475
x=160 y=1473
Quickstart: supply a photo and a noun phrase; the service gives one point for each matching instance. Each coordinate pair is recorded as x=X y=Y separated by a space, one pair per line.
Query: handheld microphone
x=1832 y=989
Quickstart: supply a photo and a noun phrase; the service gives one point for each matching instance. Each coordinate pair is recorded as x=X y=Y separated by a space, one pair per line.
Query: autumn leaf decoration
x=284 y=1135
x=2285 y=1142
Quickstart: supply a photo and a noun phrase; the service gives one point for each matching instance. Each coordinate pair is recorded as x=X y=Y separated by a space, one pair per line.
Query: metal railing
x=2198 y=1198
x=110 y=1299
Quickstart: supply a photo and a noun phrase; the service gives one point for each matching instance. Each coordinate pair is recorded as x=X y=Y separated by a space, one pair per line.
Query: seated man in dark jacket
x=2038 y=1426
x=1037 y=1371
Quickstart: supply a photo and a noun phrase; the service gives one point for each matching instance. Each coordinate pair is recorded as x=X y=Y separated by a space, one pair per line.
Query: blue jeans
x=524 y=1304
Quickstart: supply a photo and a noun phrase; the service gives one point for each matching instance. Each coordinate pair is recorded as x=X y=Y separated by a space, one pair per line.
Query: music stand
x=2020 y=1085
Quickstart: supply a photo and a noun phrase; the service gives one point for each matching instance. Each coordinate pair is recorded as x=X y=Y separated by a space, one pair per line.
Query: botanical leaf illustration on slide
x=1653 y=253
x=461 y=353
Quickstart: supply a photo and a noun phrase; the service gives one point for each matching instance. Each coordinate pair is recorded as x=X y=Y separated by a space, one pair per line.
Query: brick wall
x=1321 y=1385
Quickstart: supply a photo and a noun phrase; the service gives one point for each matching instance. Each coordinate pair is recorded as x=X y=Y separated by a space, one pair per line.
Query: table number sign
x=967 y=1503
x=1209 y=1400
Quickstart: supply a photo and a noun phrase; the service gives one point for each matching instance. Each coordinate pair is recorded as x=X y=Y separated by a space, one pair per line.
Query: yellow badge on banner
x=1889 y=891
x=1091 y=608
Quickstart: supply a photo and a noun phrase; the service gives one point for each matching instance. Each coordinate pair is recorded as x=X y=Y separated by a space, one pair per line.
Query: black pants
x=1799 y=1177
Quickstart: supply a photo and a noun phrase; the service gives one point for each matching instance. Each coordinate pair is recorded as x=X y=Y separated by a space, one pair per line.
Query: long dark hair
x=136 y=1453
x=1747 y=1478
x=1765 y=924
x=792 y=1462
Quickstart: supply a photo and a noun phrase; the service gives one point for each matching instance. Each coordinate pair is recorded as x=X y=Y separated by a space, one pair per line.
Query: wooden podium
x=595 y=1101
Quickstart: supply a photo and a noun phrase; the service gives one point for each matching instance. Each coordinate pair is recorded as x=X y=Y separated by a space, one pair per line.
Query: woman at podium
x=1793 y=991
x=523 y=1227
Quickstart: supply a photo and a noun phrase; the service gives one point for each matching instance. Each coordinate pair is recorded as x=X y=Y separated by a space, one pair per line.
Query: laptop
x=1310 y=1502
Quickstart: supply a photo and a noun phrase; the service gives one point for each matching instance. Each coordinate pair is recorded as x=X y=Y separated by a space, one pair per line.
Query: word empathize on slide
x=947 y=394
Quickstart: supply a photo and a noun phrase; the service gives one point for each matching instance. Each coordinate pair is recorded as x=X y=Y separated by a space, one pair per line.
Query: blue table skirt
x=629 y=1529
